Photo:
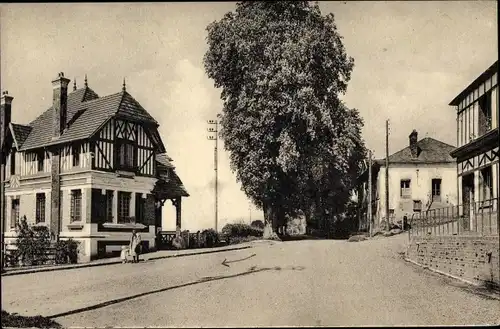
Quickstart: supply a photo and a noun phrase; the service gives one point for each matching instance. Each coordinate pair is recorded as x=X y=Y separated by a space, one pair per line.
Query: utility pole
x=215 y=138
x=370 y=215
x=387 y=173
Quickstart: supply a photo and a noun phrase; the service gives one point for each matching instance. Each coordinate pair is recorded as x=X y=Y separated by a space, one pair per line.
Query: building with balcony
x=477 y=152
x=89 y=168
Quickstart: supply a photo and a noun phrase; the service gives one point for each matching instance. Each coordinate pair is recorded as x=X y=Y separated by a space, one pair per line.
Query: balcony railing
x=478 y=218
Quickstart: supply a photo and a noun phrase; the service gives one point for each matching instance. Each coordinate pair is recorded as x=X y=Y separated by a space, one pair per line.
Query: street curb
x=76 y=266
x=470 y=283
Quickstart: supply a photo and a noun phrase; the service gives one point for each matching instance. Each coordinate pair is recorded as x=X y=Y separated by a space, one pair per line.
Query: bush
x=32 y=243
x=241 y=230
x=209 y=238
x=185 y=236
x=66 y=252
x=179 y=243
x=258 y=224
x=237 y=240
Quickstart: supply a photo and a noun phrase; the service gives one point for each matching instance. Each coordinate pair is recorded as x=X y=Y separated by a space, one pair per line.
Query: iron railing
x=477 y=218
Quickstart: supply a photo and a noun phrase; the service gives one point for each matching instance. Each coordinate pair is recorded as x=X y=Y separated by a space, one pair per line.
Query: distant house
x=477 y=154
x=421 y=177
x=89 y=168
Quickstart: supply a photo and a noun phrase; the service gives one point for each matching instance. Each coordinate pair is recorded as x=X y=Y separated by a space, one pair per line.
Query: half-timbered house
x=90 y=168
x=477 y=154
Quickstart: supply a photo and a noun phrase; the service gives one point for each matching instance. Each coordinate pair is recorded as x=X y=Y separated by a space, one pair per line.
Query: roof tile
x=430 y=151
x=21 y=132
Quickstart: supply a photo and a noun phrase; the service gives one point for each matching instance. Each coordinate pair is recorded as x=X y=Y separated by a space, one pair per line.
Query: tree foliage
x=281 y=67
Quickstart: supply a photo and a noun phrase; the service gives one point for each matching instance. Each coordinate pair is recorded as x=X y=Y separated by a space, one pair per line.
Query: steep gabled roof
x=430 y=150
x=78 y=96
x=169 y=183
x=474 y=84
x=87 y=113
x=164 y=161
x=19 y=133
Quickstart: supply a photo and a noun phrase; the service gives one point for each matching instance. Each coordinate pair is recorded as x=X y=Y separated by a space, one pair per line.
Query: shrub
x=185 y=236
x=66 y=252
x=241 y=230
x=209 y=237
x=32 y=243
x=179 y=243
x=258 y=224
x=237 y=240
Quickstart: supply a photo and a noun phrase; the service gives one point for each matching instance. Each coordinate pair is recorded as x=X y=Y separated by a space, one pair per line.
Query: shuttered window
x=76 y=206
x=125 y=156
x=124 y=207
x=40 y=208
x=14 y=218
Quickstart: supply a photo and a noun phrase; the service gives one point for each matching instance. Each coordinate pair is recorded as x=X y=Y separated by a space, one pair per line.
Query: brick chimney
x=59 y=106
x=413 y=144
x=5 y=115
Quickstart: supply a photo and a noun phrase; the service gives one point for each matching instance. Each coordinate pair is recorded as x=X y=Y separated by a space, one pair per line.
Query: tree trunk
x=270 y=223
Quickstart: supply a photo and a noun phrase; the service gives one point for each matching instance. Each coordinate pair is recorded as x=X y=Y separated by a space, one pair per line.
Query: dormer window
x=76 y=151
x=485 y=113
x=125 y=154
x=40 y=160
x=13 y=162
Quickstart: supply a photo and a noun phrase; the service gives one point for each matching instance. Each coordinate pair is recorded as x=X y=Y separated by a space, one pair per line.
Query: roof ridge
x=20 y=124
x=437 y=140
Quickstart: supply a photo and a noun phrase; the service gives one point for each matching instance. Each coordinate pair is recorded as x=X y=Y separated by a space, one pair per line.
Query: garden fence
x=476 y=218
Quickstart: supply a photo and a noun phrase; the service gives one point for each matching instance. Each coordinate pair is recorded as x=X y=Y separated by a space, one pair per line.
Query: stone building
x=422 y=176
x=90 y=168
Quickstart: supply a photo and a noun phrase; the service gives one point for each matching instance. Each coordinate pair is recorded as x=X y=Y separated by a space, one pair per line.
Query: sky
x=411 y=60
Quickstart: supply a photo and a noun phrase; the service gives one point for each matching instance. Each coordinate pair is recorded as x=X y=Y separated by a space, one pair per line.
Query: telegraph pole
x=387 y=173
x=215 y=138
x=370 y=215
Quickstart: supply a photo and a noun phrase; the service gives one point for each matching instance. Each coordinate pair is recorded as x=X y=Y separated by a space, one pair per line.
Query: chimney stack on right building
x=413 y=144
x=5 y=115
x=59 y=106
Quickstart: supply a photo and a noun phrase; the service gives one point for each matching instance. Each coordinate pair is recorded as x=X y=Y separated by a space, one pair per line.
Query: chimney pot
x=5 y=115
x=413 y=144
x=59 y=105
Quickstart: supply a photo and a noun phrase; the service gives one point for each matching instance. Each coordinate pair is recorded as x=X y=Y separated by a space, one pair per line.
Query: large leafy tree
x=281 y=67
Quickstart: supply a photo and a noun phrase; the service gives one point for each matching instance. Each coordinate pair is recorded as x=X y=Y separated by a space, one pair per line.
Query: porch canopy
x=168 y=187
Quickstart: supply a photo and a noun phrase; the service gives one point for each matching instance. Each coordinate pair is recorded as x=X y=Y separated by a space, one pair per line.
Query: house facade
x=421 y=177
x=477 y=154
x=90 y=168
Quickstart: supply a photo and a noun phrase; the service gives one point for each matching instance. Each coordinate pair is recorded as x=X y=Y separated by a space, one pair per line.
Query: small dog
x=125 y=254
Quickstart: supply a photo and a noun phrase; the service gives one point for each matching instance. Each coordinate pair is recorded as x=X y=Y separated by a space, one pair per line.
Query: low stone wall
x=474 y=259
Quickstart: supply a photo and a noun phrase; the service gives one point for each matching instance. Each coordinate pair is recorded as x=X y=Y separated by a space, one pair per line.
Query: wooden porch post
x=178 y=212
x=158 y=214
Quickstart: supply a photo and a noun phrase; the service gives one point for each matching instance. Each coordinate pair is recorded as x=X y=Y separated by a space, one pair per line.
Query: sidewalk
x=116 y=260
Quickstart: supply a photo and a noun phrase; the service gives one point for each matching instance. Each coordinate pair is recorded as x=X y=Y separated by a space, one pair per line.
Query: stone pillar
x=55 y=191
x=178 y=211
x=87 y=205
x=48 y=210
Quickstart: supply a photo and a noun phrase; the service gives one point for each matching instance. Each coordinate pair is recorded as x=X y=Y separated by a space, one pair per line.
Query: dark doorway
x=467 y=198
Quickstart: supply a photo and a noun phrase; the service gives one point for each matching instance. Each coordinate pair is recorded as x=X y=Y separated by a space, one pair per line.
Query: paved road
x=301 y=283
